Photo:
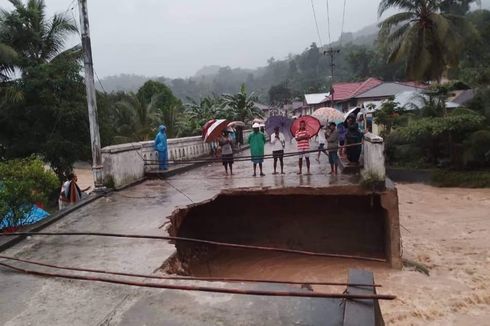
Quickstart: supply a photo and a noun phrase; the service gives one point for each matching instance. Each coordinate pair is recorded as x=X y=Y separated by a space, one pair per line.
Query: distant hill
x=218 y=79
x=207 y=71
x=122 y=82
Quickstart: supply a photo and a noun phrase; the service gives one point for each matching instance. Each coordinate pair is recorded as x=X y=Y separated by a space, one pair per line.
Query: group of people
x=344 y=139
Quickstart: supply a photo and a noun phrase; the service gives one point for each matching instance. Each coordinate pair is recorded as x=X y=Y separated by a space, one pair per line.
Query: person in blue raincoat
x=161 y=147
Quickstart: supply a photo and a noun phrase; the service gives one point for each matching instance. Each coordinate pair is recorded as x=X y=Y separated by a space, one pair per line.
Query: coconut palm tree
x=35 y=38
x=7 y=61
x=199 y=112
x=428 y=40
x=135 y=120
x=241 y=106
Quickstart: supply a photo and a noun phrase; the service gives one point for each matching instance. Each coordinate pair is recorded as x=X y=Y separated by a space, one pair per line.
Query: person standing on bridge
x=353 y=140
x=303 y=142
x=161 y=147
x=279 y=142
x=226 y=143
x=257 y=141
x=333 y=147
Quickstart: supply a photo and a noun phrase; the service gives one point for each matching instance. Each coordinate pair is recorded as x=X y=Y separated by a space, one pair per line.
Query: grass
x=464 y=179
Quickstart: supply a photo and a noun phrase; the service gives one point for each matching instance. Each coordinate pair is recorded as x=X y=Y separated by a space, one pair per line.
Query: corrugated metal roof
x=387 y=89
x=316 y=98
x=463 y=97
x=345 y=91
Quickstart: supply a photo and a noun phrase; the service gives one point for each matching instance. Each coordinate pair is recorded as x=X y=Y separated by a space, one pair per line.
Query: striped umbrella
x=326 y=115
x=206 y=126
x=215 y=130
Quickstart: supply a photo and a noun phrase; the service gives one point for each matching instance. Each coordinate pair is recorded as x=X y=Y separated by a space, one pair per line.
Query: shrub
x=477 y=149
x=23 y=183
x=468 y=179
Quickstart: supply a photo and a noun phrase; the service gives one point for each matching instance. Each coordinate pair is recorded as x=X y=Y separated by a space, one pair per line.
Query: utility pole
x=91 y=99
x=332 y=53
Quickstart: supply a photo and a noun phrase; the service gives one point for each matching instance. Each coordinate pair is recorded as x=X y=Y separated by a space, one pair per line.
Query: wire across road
x=193 y=240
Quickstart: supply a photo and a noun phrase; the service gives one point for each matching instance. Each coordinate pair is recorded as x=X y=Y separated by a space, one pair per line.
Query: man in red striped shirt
x=303 y=141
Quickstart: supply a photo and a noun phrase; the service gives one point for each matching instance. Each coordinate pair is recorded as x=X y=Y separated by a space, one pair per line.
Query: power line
x=70 y=7
x=100 y=82
x=328 y=24
x=343 y=21
x=316 y=23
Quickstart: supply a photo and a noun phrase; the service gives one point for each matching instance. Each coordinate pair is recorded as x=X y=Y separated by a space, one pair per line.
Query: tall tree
x=7 y=61
x=49 y=116
x=457 y=7
x=241 y=106
x=162 y=99
x=280 y=94
x=35 y=38
x=137 y=120
x=428 y=40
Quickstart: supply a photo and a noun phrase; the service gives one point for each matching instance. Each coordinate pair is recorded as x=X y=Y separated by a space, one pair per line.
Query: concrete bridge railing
x=125 y=163
x=374 y=159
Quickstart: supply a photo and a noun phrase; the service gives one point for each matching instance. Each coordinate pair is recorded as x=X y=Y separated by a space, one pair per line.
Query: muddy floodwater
x=446 y=230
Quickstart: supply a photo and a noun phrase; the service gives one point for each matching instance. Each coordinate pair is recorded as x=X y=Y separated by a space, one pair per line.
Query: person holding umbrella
x=161 y=147
x=279 y=142
x=257 y=141
x=303 y=142
x=226 y=141
x=353 y=140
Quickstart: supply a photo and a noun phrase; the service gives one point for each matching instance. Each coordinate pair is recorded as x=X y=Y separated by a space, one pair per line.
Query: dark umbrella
x=353 y=112
x=313 y=125
x=281 y=122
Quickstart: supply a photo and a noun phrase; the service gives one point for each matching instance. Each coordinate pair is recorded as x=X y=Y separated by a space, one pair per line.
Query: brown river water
x=445 y=229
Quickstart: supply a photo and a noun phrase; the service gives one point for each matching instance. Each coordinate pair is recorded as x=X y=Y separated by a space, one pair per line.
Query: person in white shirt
x=321 y=143
x=279 y=142
x=226 y=143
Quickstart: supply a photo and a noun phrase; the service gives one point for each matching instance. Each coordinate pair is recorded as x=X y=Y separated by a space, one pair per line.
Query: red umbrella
x=313 y=125
x=206 y=126
x=215 y=129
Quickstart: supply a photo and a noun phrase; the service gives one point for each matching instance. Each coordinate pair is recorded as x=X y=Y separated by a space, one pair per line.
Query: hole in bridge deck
x=338 y=224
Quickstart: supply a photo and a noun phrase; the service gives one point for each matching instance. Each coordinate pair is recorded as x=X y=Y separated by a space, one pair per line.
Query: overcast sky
x=174 y=38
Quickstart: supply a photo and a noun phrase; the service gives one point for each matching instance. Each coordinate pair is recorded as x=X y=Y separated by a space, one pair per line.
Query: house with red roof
x=344 y=94
x=349 y=95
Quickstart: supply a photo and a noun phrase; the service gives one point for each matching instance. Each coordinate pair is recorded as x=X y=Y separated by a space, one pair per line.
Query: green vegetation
x=468 y=179
x=24 y=182
x=43 y=105
x=425 y=37
x=43 y=111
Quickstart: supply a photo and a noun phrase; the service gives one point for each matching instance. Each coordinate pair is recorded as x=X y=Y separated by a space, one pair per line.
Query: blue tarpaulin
x=36 y=214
